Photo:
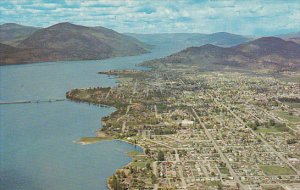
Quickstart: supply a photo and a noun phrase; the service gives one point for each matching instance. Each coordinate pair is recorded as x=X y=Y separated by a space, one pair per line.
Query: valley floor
x=203 y=130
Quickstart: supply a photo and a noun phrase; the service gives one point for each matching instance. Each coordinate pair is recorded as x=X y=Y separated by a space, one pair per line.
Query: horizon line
x=245 y=35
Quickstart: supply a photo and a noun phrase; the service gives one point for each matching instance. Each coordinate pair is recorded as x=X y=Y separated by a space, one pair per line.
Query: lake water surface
x=37 y=150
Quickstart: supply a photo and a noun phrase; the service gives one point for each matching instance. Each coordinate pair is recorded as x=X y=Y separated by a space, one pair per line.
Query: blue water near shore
x=37 y=148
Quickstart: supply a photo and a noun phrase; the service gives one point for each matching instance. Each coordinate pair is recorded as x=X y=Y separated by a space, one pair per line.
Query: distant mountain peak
x=67 y=41
x=12 y=33
x=294 y=37
x=10 y=24
x=264 y=53
x=14 y=25
x=268 y=39
x=206 y=47
x=222 y=33
x=66 y=25
x=210 y=46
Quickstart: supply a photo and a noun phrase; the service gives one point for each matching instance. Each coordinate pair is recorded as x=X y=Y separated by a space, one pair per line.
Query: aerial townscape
x=229 y=129
x=149 y=95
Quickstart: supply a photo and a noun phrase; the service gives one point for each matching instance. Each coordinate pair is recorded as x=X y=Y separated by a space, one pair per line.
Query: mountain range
x=223 y=39
x=295 y=37
x=66 y=41
x=264 y=53
x=191 y=39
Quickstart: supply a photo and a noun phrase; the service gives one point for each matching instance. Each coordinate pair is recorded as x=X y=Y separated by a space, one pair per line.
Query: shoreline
x=128 y=164
x=73 y=60
x=107 y=137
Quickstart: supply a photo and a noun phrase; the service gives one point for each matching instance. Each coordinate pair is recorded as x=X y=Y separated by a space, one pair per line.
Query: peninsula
x=203 y=129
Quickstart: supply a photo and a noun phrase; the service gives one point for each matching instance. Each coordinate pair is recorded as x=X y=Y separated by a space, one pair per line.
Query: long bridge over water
x=33 y=101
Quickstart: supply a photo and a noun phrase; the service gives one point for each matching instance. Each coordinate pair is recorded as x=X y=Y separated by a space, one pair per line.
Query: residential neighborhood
x=203 y=130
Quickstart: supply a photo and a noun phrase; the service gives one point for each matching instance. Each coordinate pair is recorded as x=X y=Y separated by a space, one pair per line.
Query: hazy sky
x=266 y=17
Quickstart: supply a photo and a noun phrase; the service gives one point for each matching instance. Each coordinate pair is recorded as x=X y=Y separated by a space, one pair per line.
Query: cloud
x=154 y=16
x=147 y=10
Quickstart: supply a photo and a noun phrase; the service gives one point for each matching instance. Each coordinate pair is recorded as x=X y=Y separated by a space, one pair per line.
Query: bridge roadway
x=33 y=101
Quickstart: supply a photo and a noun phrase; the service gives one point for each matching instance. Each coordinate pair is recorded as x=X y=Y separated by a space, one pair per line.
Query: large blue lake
x=37 y=150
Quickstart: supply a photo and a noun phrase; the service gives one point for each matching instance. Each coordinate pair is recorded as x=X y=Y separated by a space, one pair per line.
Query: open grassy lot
x=287 y=116
x=224 y=170
x=272 y=187
x=90 y=140
x=133 y=153
x=124 y=80
x=82 y=94
x=292 y=104
x=290 y=77
x=270 y=129
x=294 y=125
x=276 y=170
x=139 y=159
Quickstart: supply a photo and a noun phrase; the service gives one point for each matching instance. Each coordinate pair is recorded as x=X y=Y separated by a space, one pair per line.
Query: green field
x=224 y=170
x=133 y=153
x=295 y=77
x=272 y=187
x=90 y=140
x=139 y=159
x=270 y=130
x=287 y=116
x=292 y=104
x=276 y=170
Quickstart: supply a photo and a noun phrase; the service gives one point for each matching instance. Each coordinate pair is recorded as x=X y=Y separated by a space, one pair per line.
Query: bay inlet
x=37 y=139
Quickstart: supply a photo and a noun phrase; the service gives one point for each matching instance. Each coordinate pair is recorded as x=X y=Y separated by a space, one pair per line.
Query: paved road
x=107 y=95
x=258 y=136
x=180 y=170
x=134 y=87
x=160 y=143
x=155 y=110
x=176 y=156
x=124 y=126
x=127 y=110
x=173 y=138
x=147 y=91
x=233 y=174
x=154 y=166
x=263 y=140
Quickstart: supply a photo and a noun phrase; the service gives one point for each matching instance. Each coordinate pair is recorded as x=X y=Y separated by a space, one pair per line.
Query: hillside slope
x=66 y=41
x=191 y=39
x=267 y=52
x=295 y=37
x=13 y=34
x=223 y=39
